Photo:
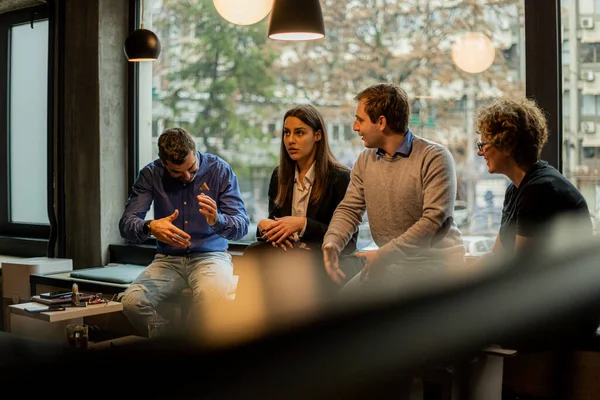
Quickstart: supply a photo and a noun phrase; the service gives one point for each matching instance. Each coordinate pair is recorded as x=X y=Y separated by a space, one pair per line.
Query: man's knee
x=134 y=297
x=212 y=290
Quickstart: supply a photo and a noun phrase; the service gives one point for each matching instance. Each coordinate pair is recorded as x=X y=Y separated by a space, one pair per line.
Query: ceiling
x=10 y=5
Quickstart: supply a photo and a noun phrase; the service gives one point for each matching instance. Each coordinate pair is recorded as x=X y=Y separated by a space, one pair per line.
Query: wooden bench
x=104 y=282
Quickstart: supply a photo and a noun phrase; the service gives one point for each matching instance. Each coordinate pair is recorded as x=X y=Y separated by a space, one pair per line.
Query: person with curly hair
x=541 y=207
x=513 y=133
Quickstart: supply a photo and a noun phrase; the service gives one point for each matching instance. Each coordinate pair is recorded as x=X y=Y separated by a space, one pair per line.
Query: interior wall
x=114 y=27
x=95 y=127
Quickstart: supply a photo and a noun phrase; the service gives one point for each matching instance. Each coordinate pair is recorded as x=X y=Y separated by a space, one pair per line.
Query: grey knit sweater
x=409 y=202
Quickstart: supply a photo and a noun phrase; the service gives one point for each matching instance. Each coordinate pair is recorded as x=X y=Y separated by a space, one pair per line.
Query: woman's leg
x=276 y=281
x=252 y=268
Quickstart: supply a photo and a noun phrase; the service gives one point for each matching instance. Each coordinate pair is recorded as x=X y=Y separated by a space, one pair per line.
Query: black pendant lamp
x=296 y=20
x=142 y=44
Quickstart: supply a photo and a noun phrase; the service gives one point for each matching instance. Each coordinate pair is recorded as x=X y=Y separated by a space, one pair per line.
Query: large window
x=24 y=123
x=581 y=98
x=230 y=85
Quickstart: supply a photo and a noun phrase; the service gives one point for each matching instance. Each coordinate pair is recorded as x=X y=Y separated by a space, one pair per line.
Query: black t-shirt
x=543 y=195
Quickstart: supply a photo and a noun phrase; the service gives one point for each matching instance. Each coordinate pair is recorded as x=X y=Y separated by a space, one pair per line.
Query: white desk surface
x=69 y=313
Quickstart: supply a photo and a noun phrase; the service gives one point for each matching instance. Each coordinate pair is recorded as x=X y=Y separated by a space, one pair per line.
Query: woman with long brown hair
x=304 y=191
x=307 y=185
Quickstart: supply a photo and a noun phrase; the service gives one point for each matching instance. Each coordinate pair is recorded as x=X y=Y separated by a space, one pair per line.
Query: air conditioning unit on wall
x=588 y=127
x=582 y=170
x=586 y=23
x=588 y=76
x=504 y=24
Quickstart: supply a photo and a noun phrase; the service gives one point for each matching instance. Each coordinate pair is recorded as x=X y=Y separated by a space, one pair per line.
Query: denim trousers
x=208 y=275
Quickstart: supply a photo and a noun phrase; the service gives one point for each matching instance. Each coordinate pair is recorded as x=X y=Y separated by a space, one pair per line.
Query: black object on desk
x=56 y=295
x=44 y=308
x=83 y=297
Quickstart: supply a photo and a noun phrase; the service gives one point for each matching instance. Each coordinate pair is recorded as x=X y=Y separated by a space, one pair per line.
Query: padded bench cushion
x=126 y=273
x=123 y=273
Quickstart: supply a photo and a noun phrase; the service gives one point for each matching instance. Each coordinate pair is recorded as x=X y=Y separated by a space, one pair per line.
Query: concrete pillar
x=95 y=127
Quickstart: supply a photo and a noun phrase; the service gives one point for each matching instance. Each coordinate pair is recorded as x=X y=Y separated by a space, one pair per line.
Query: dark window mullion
x=543 y=76
x=4 y=130
x=133 y=103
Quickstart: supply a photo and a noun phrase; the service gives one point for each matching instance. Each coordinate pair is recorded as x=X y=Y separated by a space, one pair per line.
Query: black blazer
x=318 y=215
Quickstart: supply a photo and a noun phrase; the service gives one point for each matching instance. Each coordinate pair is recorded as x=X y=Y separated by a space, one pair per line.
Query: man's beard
x=191 y=178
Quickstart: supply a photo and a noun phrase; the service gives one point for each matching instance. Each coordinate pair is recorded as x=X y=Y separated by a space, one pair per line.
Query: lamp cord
x=142 y=24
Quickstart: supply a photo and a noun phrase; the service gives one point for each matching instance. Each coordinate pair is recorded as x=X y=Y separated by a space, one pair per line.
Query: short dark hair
x=388 y=100
x=174 y=145
x=516 y=125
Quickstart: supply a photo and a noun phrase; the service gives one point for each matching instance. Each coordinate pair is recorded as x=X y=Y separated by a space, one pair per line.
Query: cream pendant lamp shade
x=243 y=12
x=296 y=20
x=473 y=52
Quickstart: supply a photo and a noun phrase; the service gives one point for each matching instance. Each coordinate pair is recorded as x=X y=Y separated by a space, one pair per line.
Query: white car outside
x=461 y=213
x=478 y=245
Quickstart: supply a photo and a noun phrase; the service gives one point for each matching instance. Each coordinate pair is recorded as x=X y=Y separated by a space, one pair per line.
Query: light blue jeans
x=208 y=275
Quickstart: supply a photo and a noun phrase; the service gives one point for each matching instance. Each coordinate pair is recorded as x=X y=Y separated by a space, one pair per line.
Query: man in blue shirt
x=191 y=242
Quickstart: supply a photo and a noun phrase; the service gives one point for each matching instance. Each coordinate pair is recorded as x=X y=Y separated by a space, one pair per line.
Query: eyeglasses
x=98 y=298
x=481 y=145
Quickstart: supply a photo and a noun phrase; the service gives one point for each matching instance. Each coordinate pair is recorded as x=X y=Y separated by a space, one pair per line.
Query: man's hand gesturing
x=208 y=208
x=332 y=266
x=164 y=230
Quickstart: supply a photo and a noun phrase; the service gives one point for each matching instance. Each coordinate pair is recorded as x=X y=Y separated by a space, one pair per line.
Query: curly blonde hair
x=517 y=126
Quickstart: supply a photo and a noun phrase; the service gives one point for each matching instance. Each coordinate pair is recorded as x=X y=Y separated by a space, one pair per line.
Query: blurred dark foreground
x=544 y=301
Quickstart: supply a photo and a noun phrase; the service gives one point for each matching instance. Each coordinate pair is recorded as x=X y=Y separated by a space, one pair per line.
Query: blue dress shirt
x=404 y=148
x=155 y=184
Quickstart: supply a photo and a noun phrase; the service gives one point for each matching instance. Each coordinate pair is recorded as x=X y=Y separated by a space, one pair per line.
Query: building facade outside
x=581 y=98
x=408 y=44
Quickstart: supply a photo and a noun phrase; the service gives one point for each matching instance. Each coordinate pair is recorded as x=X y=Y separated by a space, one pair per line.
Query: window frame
x=133 y=74
x=8 y=228
x=543 y=81
x=133 y=103
x=543 y=70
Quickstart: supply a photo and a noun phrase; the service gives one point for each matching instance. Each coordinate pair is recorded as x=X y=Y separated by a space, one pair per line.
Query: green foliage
x=220 y=68
x=405 y=42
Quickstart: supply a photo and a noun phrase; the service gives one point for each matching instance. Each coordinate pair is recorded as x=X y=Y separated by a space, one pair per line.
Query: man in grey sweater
x=407 y=186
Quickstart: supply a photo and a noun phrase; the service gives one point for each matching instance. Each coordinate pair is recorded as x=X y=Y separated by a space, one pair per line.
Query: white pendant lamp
x=473 y=52
x=243 y=12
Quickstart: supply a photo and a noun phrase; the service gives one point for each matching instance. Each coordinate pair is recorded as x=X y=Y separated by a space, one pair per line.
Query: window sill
x=143 y=254
x=23 y=247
